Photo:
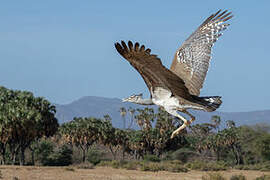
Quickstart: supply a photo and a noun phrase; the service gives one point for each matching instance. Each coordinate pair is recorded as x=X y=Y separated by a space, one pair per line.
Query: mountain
x=92 y=106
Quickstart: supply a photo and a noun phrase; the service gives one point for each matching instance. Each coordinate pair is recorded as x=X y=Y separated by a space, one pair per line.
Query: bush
x=85 y=166
x=213 y=176
x=238 y=177
x=63 y=157
x=44 y=150
x=95 y=156
x=114 y=163
x=152 y=166
x=183 y=155
x=262 y=167
x=151 y=158
x=263 y=177
x=171 y=167
x=132 y=165
x=105 y=163
x=207 y=166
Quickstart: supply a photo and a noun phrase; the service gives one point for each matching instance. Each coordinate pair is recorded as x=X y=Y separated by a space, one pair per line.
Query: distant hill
x=92 y=106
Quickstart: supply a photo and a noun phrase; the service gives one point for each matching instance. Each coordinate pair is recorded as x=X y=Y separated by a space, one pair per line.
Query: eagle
x=177 y=89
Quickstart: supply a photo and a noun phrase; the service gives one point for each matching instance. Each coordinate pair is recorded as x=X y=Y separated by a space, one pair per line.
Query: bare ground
x=107 y=173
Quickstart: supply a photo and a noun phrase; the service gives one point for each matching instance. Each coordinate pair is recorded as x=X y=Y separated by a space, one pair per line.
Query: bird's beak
x=124 y=100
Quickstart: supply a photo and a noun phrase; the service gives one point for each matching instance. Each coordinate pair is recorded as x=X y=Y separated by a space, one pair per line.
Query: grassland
x=107 y=173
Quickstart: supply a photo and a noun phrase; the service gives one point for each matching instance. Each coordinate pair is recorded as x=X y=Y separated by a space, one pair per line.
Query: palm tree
x=216 y=120
x=132 y=112
x=123 y=113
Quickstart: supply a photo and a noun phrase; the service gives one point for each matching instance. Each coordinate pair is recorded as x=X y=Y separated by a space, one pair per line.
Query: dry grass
x=107 y=173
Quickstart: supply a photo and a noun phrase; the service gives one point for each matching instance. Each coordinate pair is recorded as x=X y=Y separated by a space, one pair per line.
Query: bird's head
x=133 y=98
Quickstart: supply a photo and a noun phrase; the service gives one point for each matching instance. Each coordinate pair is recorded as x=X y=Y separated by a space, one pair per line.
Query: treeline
x=28 y=124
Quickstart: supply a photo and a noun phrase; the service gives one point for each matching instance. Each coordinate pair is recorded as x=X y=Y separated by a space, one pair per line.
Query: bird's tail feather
x=211 y=103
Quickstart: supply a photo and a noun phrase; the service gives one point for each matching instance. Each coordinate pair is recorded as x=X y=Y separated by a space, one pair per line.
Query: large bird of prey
x=178 y=88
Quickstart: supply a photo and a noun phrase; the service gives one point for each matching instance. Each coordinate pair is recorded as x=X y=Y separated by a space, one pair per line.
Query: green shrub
x=44 y=150
x=151 y=158
x=195 y=165
x=62 y=157
x=85 y=166
x=176 y=162
x=207 y=166
x=132 y=165
x=262 y=167
x=238 y=177
x=117 y=164
x=95 y=156
x=105 y=163
x=171 y=167
x=215 y=166
x=152 y=166
x=265 y=166
x=263 y=177
x=183 y=155
x=213 y=176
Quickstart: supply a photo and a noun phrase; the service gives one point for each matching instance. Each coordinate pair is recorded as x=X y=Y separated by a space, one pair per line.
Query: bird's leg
x=185 y=124
x=192 y=118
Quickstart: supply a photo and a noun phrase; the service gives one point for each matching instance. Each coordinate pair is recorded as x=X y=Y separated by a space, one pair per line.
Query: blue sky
x=63 y=50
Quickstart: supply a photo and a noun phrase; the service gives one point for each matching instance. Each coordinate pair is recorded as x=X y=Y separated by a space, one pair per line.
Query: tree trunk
x=33 y=157
x=113 y=152
x=22 y=157
x=13 y=159
x=238 y=155
x=13 y=151
x=3 y=153
x=83 y=155
x=218 y=156
x=124 y=149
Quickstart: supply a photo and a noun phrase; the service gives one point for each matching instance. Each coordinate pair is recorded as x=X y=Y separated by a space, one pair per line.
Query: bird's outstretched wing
x=151 y=69
x=192 y=59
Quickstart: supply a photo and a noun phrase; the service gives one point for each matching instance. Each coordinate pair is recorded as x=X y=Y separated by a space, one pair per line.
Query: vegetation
x=238 y=177
x=23 y=120
x=30 y=134
x=213 y=176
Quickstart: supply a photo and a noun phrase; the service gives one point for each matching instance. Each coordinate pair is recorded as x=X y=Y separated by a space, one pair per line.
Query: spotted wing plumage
x=191 y=60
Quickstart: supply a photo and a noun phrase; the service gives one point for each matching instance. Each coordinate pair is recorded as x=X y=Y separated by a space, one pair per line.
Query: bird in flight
x=177 y=89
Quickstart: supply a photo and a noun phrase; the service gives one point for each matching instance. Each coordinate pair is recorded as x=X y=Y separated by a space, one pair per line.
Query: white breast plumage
x=162 y=97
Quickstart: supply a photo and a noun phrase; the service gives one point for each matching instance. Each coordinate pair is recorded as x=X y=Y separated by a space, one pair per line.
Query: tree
x=216 y=120
x=123 y=113
x=153 y=140
x=24 y=118
x=132 y=112
x=82 y=133
x=145 y=117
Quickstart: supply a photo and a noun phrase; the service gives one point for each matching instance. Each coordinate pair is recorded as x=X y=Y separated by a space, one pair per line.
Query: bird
x=177 y=89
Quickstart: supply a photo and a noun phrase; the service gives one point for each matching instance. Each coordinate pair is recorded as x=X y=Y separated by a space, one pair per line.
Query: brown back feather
x=152 y=70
